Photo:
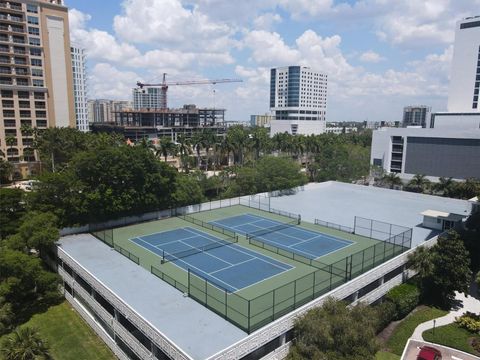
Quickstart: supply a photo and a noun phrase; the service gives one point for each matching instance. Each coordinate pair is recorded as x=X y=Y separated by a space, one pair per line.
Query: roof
x=192 y=327
x=443 y=215
x=339 y=203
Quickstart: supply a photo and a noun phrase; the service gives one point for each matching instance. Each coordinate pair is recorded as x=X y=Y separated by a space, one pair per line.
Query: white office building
x=80 y=88
x=150 y=98
x=298 y=100
x=465 y=74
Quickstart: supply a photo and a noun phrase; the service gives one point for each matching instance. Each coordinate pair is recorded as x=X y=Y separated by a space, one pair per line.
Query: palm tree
x=184 y=148
x=166 y=147
x=444 y=186
x=421 y=261
x=24 y=344
x=392 y=180
x=11 y=142
x=198 y=143
x=419 y=183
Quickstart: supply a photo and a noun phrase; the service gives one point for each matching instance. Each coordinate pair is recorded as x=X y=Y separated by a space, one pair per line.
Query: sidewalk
x=468 y=304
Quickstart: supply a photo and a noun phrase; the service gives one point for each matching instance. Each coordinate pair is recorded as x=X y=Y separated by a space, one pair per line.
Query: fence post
x=226 y=307
x=295 y=294
x=188 y=283
x=390 y=233
x=354 y=224
x=206 y=292
x=273 y=305
x=248 y=321
x=371 y=228
x=384 y=250
x=374 y=251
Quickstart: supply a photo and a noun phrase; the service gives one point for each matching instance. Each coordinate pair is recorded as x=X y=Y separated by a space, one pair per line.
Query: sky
x=380 y=55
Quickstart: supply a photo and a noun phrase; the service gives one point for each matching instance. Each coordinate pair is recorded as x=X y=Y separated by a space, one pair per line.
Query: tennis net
x=167 y=257
x=271 y=229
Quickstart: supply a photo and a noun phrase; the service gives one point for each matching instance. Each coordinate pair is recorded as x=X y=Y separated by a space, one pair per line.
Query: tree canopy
x=335 y=332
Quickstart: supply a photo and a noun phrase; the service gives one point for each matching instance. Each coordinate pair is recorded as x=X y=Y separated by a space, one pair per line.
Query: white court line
x=232 y=265
x=170 y=242
x=203 y=251
x=203 y=272
x=160 y=256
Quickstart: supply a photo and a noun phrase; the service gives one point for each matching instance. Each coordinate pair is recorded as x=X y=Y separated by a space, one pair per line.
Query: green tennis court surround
x=253 y=301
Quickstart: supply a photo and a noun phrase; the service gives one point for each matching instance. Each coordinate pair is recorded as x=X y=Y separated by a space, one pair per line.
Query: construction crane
x=164 y=85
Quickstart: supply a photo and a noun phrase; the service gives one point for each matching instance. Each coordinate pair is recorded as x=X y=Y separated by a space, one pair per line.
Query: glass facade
x=293 y=95
x=273 y=75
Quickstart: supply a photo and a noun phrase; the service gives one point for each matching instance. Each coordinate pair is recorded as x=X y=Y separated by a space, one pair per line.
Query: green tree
x=12 y=208
x=184 y=149
x=6 y=316
x=187 y=191
x=335 y=332
x=6 y=171
x=444 y=186
x=166 y=147
x=24 y=343
x=421 y=260
x=278 y=173
x=23 y=280
x=443 y=269
x=103 y=184
x=391 y=180
x=38 y=231
x=419 y=183
x=237 y=136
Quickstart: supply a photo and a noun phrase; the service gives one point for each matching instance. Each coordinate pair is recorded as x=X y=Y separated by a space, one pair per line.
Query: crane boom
x=165 y=84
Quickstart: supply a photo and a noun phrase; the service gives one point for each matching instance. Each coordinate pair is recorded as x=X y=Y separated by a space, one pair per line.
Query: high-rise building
x=150 y=98
x=465 y=74
x=80 y=88
x=417 y=115
x=101 y=110
x=298 y=100
x=36 y=82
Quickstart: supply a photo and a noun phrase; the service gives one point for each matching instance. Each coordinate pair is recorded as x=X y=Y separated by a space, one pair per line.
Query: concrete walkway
x=467 y=304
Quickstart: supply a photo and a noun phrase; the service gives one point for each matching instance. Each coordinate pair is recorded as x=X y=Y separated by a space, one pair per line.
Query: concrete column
x=283 y=339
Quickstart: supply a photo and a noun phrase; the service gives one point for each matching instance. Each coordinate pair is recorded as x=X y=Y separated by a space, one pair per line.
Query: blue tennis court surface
x=231 y=267
x=308 y=243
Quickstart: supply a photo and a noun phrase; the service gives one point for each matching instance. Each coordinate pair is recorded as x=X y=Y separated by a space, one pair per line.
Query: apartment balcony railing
x=5 y=71
x=22 y=82
x=4 y=49
x=6 y=82
x=20 y=62
x=11 y=18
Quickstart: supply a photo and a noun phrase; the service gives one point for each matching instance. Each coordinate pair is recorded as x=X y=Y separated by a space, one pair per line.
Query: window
x=36 y=62
x=34 y=41
x=23 y=95
x=32 y=8
x=37 y=72
x=38 y=83
x=470 y=25
x=35 y=52
x=39 y=95
x=33 y=20
x=7 y=94
x=33 y=31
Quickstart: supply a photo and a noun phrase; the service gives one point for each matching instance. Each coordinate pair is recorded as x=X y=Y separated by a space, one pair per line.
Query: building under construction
x=152 y=123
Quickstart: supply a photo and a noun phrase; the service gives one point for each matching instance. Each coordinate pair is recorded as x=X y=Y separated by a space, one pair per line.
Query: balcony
x=4 y=49
x=18 y=61
x=20 y=51
x=4 y=38
x=22 y=82
x=10 y=18
x=19 y=41
x=5 y=71
x=6 y=81
x=21 y=72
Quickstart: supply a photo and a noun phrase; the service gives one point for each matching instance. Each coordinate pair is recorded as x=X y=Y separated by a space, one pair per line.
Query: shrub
x=385 y=314
x=469 y=321
x=476 y=344
x=405 y=297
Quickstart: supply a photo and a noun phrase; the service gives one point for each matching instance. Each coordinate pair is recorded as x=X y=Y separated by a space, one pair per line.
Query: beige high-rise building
x=36 y=82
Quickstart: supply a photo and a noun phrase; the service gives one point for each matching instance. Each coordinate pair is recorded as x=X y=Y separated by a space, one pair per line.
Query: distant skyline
x=380 y=55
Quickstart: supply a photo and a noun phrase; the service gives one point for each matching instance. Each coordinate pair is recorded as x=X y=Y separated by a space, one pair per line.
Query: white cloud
x=268 y=48
x=266 y=21
x=169 y=23
x=106 y=81
x=371 y=57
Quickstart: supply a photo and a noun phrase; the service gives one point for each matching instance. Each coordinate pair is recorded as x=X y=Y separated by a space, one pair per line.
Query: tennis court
x=224 y=263
x=308 y=243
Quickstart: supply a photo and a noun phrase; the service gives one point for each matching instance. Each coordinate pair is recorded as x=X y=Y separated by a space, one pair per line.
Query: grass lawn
x=452 y=336
x=68 y=336
x=383 y=355
x=397 y=341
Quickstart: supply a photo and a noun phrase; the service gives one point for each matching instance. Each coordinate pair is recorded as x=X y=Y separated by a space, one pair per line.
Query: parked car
x=429 y=353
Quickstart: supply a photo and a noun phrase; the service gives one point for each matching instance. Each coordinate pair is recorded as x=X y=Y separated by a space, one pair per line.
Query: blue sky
x=380 y=55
